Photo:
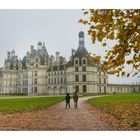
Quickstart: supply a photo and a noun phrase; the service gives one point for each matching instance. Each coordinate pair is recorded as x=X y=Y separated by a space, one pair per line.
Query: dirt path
x=56 y=118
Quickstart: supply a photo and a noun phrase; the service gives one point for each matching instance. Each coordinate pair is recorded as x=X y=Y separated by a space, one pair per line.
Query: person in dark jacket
x=67 y=98
x=75 y=99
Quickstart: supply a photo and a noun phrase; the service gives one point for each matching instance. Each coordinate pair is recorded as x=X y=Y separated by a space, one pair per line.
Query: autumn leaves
x=121 y=26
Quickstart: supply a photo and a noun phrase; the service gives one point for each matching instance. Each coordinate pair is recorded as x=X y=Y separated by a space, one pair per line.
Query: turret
x=81 y=39
x=32 y=48
x=8 y=55
x=13 y=53
x=39 y=45
x=57 y=57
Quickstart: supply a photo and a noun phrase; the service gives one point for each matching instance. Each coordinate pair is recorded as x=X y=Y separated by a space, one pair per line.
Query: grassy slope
x=23 y=104
x=124 y=107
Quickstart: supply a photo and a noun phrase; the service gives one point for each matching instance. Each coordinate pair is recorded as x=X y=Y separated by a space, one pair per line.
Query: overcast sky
x=57 y=28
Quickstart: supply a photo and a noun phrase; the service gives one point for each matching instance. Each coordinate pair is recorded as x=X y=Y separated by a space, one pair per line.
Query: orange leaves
x=97 y=59
x=119 y=25
x=86 y=12
x=104 y=44
x=129 y=62
x=93 y=60
x=81 y=20
x=93 y=36
x=125 y=108
x=111 y=36
x=128 y=114
x=84 y=22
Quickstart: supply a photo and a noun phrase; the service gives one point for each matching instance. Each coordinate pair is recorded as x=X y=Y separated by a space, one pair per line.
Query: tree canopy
x=122 y=26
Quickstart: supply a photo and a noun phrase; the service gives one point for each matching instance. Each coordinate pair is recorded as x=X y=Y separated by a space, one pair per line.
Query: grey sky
x=57 y=28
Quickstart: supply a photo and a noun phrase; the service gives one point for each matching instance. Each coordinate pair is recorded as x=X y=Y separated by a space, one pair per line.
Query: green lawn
x=124 y=107
x=27 y=104
x=119 y=98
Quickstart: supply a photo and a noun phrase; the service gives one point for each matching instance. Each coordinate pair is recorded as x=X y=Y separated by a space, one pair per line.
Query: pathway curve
x=56 y=117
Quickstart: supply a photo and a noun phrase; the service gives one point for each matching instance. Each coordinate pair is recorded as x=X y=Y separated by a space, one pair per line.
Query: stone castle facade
x=39 y=73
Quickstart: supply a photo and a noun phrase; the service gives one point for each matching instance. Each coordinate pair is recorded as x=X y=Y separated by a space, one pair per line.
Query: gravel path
x=56 y=117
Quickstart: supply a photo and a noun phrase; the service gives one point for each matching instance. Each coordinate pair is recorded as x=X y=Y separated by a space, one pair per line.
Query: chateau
x=39 y=73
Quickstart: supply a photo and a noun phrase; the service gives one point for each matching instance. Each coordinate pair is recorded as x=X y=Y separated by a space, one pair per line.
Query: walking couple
x=75 y=99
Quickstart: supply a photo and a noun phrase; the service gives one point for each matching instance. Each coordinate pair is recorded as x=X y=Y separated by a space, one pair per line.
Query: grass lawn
x=27 y=104
x=124 y=107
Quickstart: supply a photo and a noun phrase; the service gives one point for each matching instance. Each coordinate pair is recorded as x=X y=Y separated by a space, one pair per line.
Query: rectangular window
x=61 y=72
x=84 y=88
x=76 y=61
x=76 y=78
x=61 y=80
x=32 y=90
x=83 y=68
x=100 y=89
x=36 y=60
x=76 y=69
x=84 y=78
x=77 y=88
x=64 y=80
x=100 y=80
x=35 y=89
x=35 y=74
x=35 y=81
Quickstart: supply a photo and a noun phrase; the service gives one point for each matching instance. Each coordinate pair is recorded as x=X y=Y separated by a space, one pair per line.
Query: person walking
x=67 y=98
x=75 y=99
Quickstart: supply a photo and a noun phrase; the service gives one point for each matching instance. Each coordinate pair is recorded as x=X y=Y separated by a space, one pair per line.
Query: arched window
x=76 y=61
x=84 y=61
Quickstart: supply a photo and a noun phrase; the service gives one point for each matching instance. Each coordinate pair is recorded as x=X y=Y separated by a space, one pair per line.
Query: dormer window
x=36 y=60
x=76 y=61
x=84 y=61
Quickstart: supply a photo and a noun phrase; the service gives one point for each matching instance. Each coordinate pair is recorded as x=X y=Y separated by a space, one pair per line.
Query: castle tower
x=8 y=55
x=81 y=39
x=13 y=53
x=39 y=45
x=32 y=48
x=57 y=57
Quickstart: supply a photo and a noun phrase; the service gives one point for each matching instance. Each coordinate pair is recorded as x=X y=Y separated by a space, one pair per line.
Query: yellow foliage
x=120 y=25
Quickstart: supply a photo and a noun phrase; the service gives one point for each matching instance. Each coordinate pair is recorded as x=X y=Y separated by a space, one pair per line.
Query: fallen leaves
x=128 y=114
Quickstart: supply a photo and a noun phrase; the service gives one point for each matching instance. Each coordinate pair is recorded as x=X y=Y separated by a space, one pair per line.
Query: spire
x=81 y=51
